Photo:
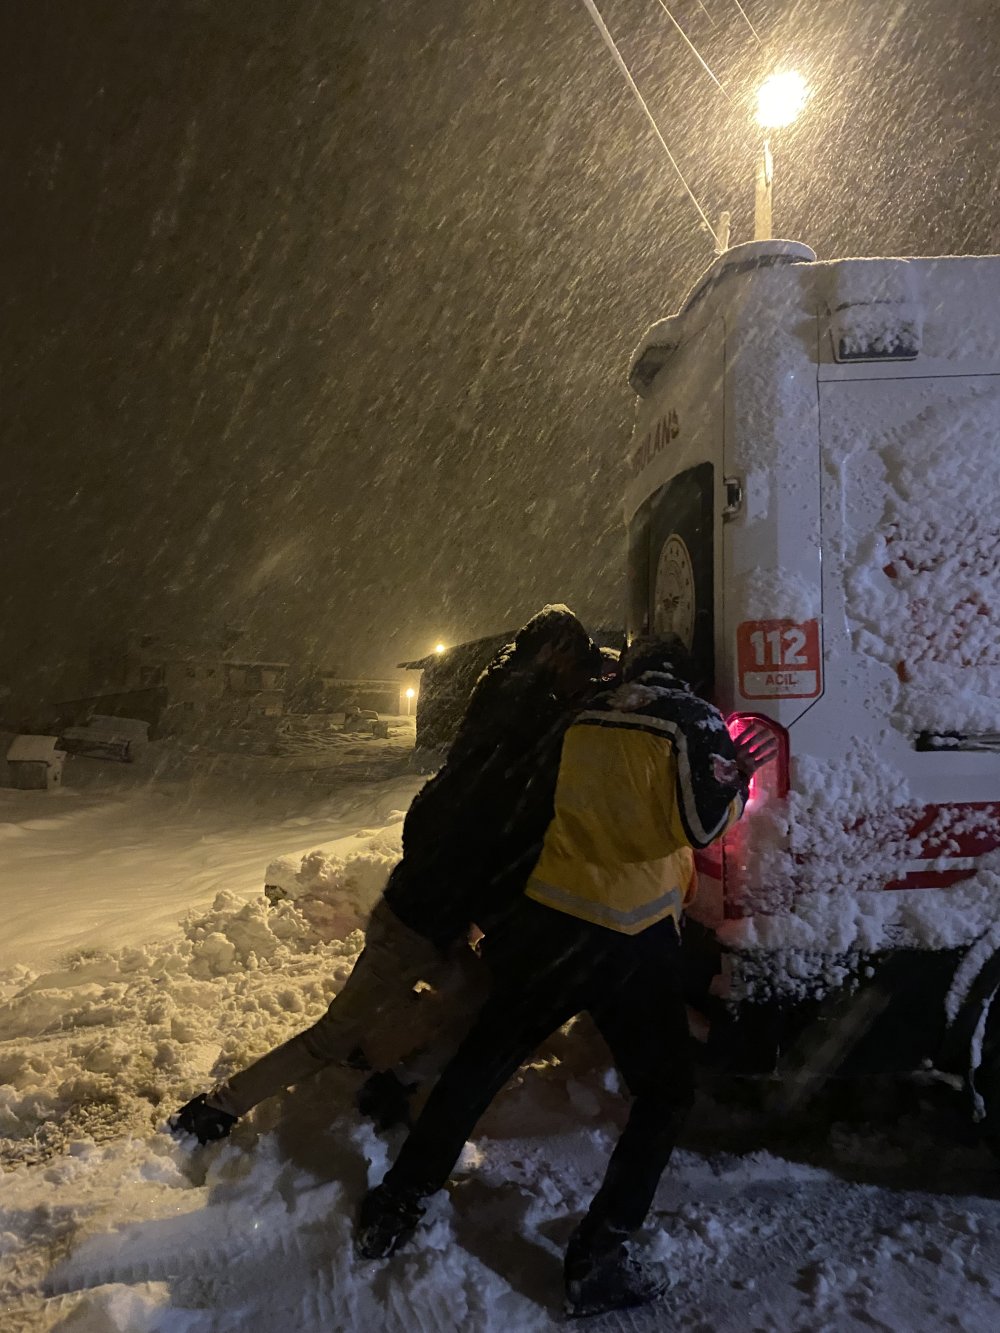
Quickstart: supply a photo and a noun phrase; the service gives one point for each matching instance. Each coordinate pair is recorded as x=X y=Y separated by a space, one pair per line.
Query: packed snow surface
x=145 y=961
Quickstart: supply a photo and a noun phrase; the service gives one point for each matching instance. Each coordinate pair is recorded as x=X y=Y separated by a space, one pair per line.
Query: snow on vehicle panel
x=923 y=546
x=858 y=443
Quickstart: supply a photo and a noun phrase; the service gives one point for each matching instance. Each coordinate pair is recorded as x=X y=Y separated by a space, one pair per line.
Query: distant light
x=780 y=99
x=410 y=694
x=439 y=647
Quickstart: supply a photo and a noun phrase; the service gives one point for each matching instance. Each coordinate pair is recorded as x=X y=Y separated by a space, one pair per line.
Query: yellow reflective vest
x=644 y=778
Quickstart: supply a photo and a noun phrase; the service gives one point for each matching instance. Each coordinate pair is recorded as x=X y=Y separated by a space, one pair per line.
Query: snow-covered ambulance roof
x=883 y=308
x=666 y=334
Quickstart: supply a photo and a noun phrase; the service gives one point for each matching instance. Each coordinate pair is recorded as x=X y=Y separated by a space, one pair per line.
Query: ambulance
x=813 y=504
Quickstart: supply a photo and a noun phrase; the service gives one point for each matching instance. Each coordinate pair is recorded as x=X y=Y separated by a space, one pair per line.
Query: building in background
x=446 y=682
x=180 y=684
x=256 y=689
x=383 y=696
x=176 y=684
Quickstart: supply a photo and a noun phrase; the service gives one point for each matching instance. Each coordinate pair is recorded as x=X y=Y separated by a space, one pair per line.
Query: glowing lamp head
x=780 y=99
x=410 y=693
x=439 y=648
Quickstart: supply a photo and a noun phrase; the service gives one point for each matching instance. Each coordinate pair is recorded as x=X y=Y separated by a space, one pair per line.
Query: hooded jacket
x=475 y=829
x=647 y=775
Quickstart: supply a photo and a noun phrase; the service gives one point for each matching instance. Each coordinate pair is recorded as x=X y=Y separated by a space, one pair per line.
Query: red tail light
x=739 y=892
x=772 y=779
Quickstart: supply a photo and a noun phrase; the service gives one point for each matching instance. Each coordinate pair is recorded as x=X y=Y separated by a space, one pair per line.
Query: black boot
x=203 y=1121
x=385 y=1099
x=356 y=1059
x=601 y=1275
x=386 y=1220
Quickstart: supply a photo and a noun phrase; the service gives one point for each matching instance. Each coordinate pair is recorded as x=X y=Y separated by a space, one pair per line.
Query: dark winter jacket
x=475 y=829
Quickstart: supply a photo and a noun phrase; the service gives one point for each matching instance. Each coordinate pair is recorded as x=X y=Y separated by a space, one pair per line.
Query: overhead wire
x=694 y=51
x=748 y=23
x=609 y=42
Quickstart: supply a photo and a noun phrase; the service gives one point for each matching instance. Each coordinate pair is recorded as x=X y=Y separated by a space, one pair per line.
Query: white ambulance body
x=813 y=504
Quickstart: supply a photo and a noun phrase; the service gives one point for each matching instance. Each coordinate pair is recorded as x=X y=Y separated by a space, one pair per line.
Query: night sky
x=316 y=315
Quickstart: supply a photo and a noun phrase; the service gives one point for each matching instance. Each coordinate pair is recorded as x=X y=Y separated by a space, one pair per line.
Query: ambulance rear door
x=912 y=535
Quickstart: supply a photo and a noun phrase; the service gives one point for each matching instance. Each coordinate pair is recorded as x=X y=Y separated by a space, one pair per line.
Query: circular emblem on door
x=674 y=595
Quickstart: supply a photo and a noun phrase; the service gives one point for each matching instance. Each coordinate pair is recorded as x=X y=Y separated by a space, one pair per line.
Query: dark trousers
x=547 y=967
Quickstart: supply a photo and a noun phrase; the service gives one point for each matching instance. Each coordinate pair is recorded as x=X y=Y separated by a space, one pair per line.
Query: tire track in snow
x=201 y=1242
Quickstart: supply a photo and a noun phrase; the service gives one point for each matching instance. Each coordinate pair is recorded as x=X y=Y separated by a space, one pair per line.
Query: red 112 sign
x=779 y=659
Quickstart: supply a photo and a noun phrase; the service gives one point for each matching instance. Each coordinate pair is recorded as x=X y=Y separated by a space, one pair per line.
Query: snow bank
x=128 y=1029
x=336 y=891
x=108 y=1225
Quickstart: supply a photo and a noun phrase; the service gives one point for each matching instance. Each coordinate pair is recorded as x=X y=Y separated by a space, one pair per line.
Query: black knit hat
x=663 y=653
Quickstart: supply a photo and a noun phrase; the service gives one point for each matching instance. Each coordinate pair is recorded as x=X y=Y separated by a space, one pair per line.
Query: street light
x=439 y=648
x=780 y=99
x=409 y=699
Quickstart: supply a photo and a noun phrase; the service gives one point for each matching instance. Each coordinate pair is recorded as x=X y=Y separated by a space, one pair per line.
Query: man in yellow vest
x=648 y=773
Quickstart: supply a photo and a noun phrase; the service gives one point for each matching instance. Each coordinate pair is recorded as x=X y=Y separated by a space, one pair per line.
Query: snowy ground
x=140 y=960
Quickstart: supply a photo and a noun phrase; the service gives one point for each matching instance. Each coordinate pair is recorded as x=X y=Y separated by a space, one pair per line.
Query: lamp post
x=780 y=100
x=409 y=700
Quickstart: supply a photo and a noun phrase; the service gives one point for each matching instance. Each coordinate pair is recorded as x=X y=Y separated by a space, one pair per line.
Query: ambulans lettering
x=655 y=441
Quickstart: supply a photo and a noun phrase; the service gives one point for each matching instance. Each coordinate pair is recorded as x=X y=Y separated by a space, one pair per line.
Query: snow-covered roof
x=105 y=727
x=666 y=334
x=256 y=662
x=743 y=258
x=469 y=647
x=33 y=749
